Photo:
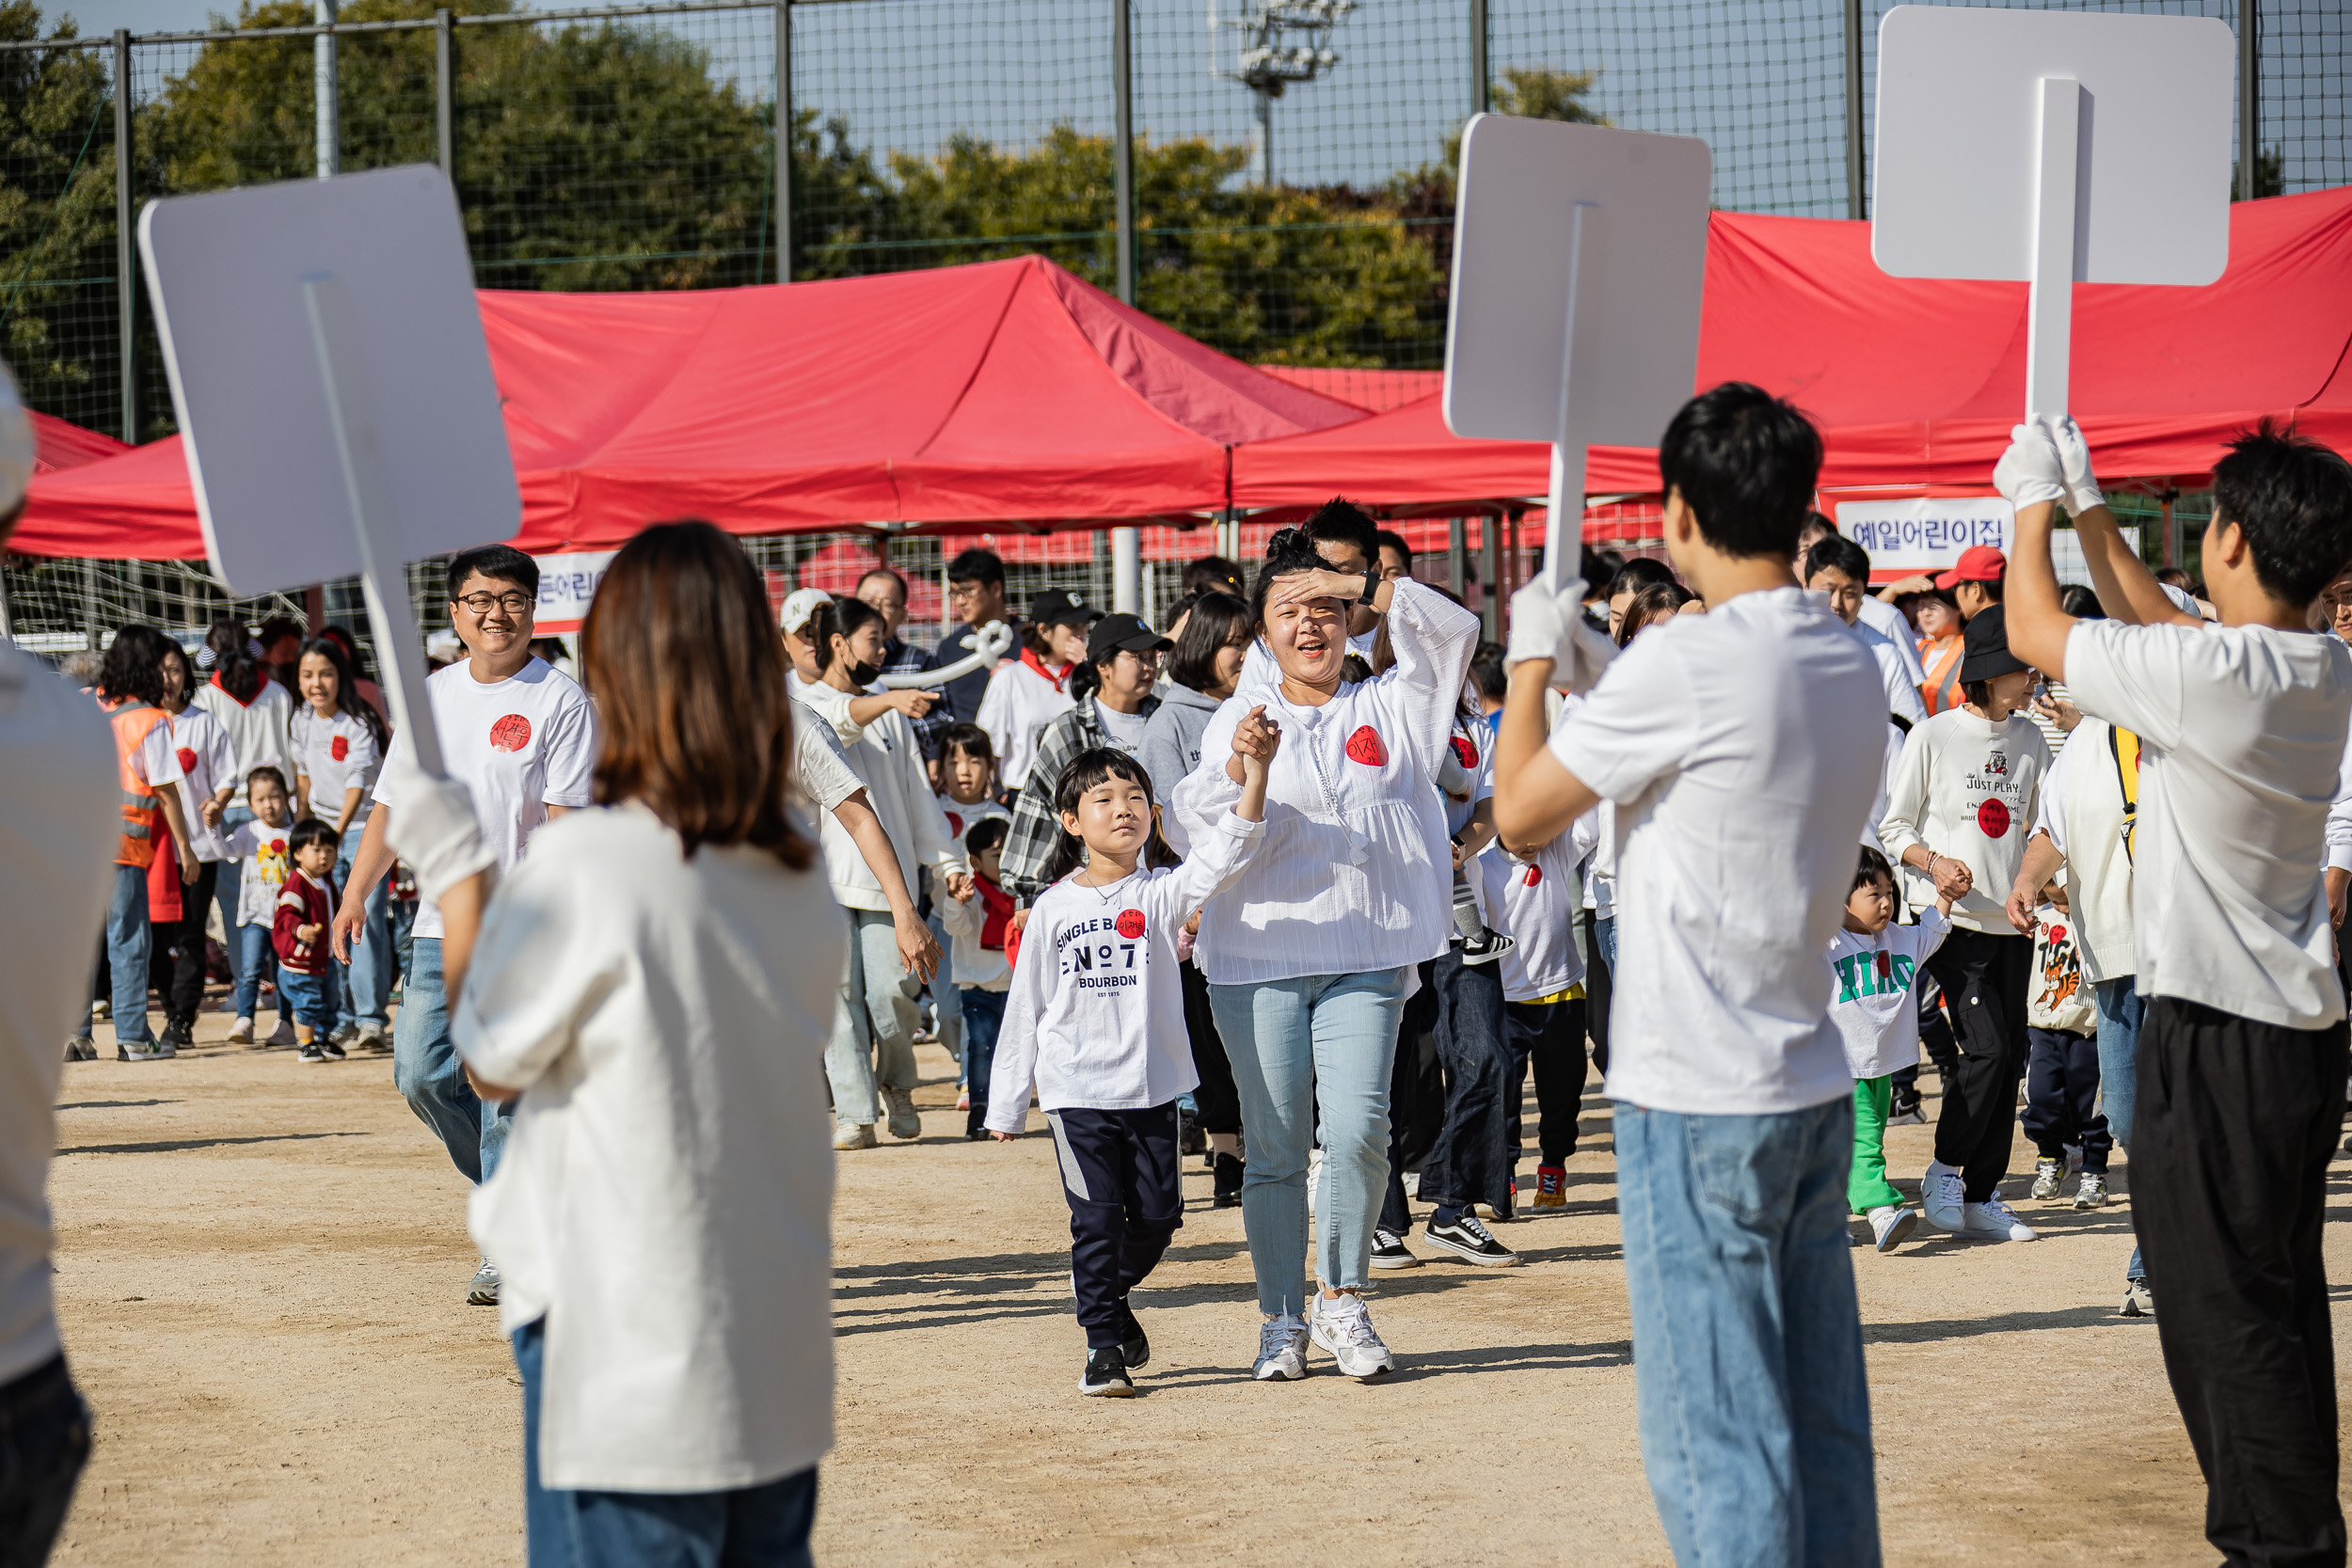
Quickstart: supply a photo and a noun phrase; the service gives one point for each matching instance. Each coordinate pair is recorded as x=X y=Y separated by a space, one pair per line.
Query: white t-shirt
x=1896 y=735
x=1095 y=1016
x=155 y=761
x=885 y=756
x=336 y=753
x=2243 y=733
x=1536 y=902
x=820 y=768
x=1018 y=706
x=1889 y=622
x=1876 y=1006
x=207 y=761
x=1122 y=730
x=2082 y=812
x=1742 y=749
x=57 y=829
x=1902 y=692
x=521 y=745
x=258 y=730
x=268 y=858
x=1966 y=788
x=665 y=1197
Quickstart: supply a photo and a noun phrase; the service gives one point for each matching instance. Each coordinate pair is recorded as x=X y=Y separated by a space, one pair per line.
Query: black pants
x=187 y=941
x=2062 y=1096
x=1119 y=1172
x=1215 y=1098
x=2232 y=1125
x=45 y=1442
x=1549 y=1035
x=1596 y=989
x=1469 y=1163
x=1416 y=1098
x=1984 y=979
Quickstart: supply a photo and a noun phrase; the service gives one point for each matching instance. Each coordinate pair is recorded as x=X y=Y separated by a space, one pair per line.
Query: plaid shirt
x=905 y=658
x=1029 y=845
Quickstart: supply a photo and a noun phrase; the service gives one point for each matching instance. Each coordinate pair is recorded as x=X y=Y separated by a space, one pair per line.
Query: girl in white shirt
x=655 y=981
x=1033 y=691
x=339 y=741
x=207 y=778
x=1308 y=957
x=1096 y=1020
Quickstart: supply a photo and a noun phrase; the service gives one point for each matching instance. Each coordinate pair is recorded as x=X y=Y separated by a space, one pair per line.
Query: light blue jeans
x=429 y=1075
x=128 y=937
x=1319 y=1041
x=256 y=961
x=876 y=1008
x=367 y=981
x=2121 y=1007
x=1754 y=1408
x=946 y=998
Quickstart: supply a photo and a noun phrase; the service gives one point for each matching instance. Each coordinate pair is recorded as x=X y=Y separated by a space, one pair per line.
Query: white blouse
x=665 y=1199
x=1355 y=875
x=1018 y=706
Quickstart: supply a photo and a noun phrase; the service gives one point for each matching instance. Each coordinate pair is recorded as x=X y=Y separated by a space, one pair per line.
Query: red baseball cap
x=1977 y=563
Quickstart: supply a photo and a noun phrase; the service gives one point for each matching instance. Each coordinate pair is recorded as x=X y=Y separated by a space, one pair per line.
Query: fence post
x=2249 y=123
x=126 y=256
x=445 y=94
x=1126 y=542
x=1482 y=79
x=1856 y=194
x=783 y=141
x=326 y=103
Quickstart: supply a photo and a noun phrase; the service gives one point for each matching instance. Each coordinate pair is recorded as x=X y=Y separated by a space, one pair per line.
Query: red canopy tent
x=1914 y=382
x=1002 y=391
x=58 y=445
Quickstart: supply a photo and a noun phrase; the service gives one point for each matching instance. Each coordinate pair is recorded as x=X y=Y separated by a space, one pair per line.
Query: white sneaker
x=2090 y=1191
x=1993 y=1220
x=1342 y=1325
x=2049 y=1174
x=1282 y=1350
x=284 y=1033
x=1893 y=1225
x=241 y=1032
x=849 y=1136
x=1941 y=1198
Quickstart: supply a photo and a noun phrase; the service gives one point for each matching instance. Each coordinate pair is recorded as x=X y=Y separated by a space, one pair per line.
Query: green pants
x=1867 y=1187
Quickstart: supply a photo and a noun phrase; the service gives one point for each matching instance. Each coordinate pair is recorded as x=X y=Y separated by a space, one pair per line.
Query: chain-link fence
x=1292 y=159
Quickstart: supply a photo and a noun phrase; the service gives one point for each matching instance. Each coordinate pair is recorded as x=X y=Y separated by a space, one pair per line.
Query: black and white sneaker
x=1488 y=948
x=1105 y=1376
x=1468 y=1238
x=1135 y=1346
x=334 y=1052
x=1388 y=1251
x=314 y=1053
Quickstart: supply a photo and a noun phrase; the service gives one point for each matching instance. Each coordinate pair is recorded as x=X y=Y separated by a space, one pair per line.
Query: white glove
x=2082 y=490
x=434 y=829
x=1542 y=622
x=2029 y=472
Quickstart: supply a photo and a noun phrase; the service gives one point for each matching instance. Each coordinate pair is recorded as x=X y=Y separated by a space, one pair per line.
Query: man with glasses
x=521 y=736
x=886 y=591
x=976 y=591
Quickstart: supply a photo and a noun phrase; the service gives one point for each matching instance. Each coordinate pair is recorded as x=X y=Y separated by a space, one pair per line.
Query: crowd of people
x=1307 y=883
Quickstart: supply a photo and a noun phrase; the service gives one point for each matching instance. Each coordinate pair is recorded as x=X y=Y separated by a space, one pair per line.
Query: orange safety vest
x=137 y=843
x=1941 y=689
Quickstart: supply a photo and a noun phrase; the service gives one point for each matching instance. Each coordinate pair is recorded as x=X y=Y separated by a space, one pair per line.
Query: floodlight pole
x=1126 y=542
x=445 y=94
x=1856 y=207
x=399 y=650
x=126 y=258
x=326 y=106
x=1565 y=499
x=2249 y=122
x=2050 y=308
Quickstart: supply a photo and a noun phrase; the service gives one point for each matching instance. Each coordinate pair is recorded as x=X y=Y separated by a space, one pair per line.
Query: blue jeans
x=946 y=998
x=45 y=1442
x=1320 y=1042
x=256 y=961
x=983 y=1016
x=230 y=882
x=128 y=937
x=751 y=1527
x=2121 y=1009
x=427 y=1072
x=308 y=999
x=873 y=1017
x=367 y=979
x=1755 y=1409
x=1605 y=932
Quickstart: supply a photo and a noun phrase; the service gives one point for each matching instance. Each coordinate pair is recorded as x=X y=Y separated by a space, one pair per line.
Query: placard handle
x=2050 y=304
x=1563 y=518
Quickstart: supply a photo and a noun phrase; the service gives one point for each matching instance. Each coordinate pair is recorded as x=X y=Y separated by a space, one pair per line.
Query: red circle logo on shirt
x=510 y=733
x=1365 y=746
x=1130 y=924
x=340 y=748
x=276 y=846
x=1535 y=874
x=955 y=823
x=2058 y=933
x=1464 y=753
x=1993 y=818
x=187 y=759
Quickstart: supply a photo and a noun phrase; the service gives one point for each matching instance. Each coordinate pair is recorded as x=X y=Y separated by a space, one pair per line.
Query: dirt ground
x=261 y=1266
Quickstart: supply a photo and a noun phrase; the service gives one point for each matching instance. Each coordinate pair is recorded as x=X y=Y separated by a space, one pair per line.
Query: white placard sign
x=1579 y=255
x=1907 y=537
x=567 y=585
x=333 y=387
x=2055 y=148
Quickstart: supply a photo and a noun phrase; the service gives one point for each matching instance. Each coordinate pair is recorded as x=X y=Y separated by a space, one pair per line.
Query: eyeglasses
x=514 y=604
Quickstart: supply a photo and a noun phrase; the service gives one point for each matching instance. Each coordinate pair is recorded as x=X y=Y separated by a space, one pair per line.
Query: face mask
x=863 y=675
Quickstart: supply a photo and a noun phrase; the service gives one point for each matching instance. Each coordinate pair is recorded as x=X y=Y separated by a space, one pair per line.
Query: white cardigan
x=886 y=757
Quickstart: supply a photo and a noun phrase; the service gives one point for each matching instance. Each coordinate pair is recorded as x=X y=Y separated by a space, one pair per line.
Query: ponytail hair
x=823 y=625
x=1085 y=679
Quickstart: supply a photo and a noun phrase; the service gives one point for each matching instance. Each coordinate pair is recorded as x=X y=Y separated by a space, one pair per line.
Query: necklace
x=1104 y=891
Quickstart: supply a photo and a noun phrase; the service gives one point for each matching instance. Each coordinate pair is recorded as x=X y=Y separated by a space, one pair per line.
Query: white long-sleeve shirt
x=1536 y=901
x=1017 y=707
x=1095 y=1017
x=1966 y=789
x=1356 y=876
x=259 y=731
x=886 y=757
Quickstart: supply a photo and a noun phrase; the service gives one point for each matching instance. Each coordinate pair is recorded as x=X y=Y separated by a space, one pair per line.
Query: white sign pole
x=1564 y=522
x=2050 y=308
x=399 y=646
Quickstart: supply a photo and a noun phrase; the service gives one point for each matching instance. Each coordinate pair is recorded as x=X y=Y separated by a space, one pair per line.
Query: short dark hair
x=496 y=563
x=1214 y=572
x=310 y=830
x=2080 y=602
x=966 y=738
x=276 y=630
x=1486 y=671
x=1836 y=552
x=978 y=565
x=1219 y=621
x=1746 y=464
x=986 y=833
x=1652 y=601
x=1976 y=693
x=134 y=667
x=267 y=771
x=2291 y=500
x=1993 y=587
x=1639 y=572
x=1820 y=520
x=872 y=572
x=1873 y=868
x=1083 y=771
x=1388 y=539
x=1339 y=521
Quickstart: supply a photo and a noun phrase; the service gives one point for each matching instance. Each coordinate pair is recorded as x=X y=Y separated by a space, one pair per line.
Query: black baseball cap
x=1984 y=647
x=1114 y=632
x=1053 y=608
